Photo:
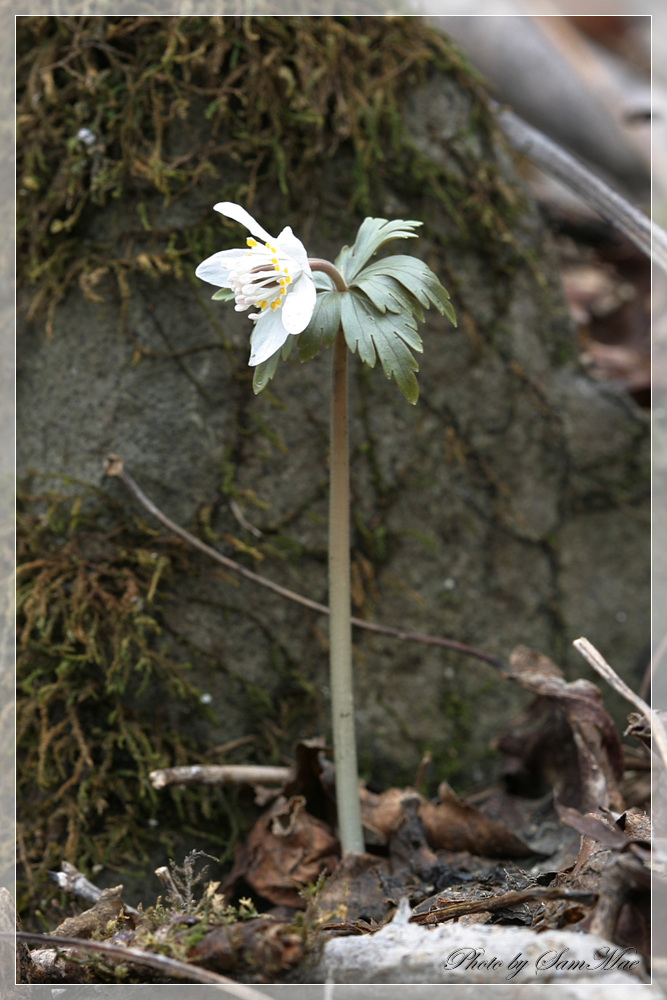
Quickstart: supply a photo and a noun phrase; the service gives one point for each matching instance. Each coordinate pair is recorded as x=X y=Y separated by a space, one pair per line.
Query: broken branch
x=221 y=774
x=605 y=670
x=113 y=466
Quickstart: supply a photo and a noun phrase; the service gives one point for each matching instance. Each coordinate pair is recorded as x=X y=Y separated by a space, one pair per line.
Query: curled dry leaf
x=457 y=826
x=93 y=922
x=449 y=824
x=356 y=895
x=285 y=850
x=565 y=738
x=268 y=945
x=629 y=828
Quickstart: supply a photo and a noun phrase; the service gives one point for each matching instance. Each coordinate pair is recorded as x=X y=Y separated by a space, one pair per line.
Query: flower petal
x=215 y=269
x=233 y=211
x=268 y=336
x=299 y=303
x=293 y=247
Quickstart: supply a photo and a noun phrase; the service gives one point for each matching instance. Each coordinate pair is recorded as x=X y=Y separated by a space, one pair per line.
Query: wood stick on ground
x=605 y=670
x=221 y=774
x=168 y=967
x=74 y=882
x=514 y=897
x=113 y=466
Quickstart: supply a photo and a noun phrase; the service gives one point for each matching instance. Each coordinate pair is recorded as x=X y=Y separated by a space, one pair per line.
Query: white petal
x=233 y=211
x=294 y=248
x=299 y=304
x=268 y=336
x=215 y=269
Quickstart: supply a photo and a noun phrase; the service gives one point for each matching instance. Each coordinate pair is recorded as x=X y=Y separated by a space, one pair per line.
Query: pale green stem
x=340 y=625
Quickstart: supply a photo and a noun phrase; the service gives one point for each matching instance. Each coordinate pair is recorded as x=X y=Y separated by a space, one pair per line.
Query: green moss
x=93 y=693
x=256 y=103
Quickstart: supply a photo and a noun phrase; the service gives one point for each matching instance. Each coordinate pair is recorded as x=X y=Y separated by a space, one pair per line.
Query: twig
x=514 y=897
x=113 y=466
x=600 y=665
x=647 y=236
x=221 y=774
x=71 y=880
x=165 y=966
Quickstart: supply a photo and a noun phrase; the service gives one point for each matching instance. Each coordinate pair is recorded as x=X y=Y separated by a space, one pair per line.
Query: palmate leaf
x=388 y=335
x=416 y=278
x=323 y=325
x=373 y=233
x=388 y=294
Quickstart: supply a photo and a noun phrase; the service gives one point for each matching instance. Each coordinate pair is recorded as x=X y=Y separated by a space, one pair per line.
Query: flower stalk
x=340 y=605
x=340 y=625
x=371 y=308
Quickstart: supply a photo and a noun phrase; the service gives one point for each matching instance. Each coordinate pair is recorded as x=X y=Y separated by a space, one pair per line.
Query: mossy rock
x=509 y=506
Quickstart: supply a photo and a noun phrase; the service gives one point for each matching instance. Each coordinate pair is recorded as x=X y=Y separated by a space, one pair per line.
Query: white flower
x=273 y=276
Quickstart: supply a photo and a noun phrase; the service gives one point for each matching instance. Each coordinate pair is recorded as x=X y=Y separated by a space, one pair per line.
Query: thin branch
x=600 y=665
x=169 y=967
x=113 y=466
x=513 y=897
x=221 y=774
x=552 y=158
x=71 y=880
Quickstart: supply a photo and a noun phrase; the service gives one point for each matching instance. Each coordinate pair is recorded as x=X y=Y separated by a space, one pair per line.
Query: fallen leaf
x=286 y=849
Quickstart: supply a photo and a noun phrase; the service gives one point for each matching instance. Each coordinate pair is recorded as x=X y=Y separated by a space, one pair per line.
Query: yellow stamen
x=262 y=304
x=251 y=242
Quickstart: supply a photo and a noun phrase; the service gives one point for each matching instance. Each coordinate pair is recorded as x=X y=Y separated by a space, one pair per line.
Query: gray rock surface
x=509 y=506
x=463 y=955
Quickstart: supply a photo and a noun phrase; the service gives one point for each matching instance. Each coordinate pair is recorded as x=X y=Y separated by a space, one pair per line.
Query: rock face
x=475 y=955
x=510 y=505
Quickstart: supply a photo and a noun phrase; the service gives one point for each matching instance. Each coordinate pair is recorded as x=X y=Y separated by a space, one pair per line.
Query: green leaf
x=397 y=362
x=373 y=233
x=387 y=335
x=388 y=294
x=359 y=323
x=322 y=281
x=323 y=326
x=417 y=279
x=223 y=295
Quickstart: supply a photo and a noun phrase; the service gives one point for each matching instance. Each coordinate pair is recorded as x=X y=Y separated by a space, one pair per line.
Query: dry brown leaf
x=95 y=920
x=260 y=944
x=449 y=824
x=285 y=850
x=565 y=737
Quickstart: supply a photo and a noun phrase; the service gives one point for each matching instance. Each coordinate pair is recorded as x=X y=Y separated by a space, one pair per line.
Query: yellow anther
x=262 y=304
x=251 y=242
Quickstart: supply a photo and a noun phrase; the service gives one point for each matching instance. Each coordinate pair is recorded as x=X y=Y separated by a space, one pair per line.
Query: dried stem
x=600 y=665
x=221 y=774
x=164 y=966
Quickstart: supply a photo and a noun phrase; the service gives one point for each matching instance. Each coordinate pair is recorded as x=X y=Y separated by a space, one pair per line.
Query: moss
x=253 y=103
x=92 y=697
